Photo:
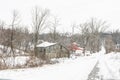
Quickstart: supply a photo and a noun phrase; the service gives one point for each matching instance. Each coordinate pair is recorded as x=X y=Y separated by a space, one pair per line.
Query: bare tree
x=91 y=34
x=73 y=29
x=116 y=39
x=2 y=25
x=2 y=41
x=21 y=38
x=84 y=36
x=54 y=24
x=96 y=27
x=14 y=22
x=39 y=18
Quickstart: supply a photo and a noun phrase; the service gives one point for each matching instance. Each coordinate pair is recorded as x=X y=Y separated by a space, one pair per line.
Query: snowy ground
x=110 y=66
x=107 y=68
x=94 y=73
x=99 y=66
x=69 y=69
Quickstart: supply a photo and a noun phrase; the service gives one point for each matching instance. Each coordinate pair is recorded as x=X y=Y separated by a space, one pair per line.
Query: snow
x=110 y=66
x=10 y=60
x=45 y=44
x=74 y=68
x=19 y=60
x=6 y=50
x=68 y=69
x=78 y=52
x=16 y=61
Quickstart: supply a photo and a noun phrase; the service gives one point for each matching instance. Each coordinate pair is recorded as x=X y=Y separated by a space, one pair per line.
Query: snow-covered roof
x=45 y=44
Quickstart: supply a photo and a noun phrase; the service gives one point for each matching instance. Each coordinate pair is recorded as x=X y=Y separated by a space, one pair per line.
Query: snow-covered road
x=110 y=66
x=70 y=69
x=107 y=68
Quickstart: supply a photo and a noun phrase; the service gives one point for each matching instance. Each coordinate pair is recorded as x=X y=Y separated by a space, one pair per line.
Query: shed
x=51 y=50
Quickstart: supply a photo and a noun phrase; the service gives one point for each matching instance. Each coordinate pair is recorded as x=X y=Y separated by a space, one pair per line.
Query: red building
x=74 y=46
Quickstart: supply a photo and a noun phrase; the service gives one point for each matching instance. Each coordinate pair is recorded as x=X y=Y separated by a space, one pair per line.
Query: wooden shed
x=47 y=50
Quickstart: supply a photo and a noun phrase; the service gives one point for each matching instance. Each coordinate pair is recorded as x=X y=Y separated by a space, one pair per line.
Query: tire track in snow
x=94 y=73
x=106 y=72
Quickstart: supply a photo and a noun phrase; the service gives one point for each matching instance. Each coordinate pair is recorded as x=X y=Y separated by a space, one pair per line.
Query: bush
x=34 y=62
x=2 y=65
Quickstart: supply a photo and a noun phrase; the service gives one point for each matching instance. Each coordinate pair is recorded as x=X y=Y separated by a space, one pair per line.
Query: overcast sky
x=69 y=11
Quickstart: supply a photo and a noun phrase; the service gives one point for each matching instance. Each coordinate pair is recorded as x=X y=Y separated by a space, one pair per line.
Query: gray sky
x=69 y=11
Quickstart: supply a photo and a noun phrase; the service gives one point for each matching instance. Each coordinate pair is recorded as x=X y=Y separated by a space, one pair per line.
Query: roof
x=45 y=44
